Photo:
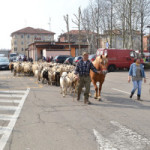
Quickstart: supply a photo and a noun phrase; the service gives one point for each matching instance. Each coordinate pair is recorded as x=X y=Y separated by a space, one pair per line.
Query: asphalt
x=50 y=122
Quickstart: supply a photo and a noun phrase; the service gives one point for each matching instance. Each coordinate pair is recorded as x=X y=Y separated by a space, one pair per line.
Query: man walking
x=82 y=72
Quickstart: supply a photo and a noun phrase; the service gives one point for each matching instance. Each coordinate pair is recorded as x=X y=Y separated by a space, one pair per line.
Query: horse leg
x=60 y=90
x=96 y=89
x=99 y=92
x=90 y=95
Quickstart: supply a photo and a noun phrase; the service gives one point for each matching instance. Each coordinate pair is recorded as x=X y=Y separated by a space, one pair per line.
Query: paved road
x=49 y=122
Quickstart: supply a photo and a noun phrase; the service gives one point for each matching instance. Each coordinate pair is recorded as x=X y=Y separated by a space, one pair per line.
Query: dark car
x=92 y=57
x=60 y=58
x=4 y=63
x=69 y=60
x=76 y=59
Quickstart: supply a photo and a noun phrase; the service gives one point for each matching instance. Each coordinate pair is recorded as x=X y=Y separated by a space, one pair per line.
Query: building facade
x=146 y=43
x=82 y=38
x=5 y=52
x=74 y=36
x=118 y=41
x=22 y=38
x=95 y=41
x=39 y=49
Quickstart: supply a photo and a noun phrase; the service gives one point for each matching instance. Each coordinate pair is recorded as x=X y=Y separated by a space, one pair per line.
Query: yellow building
x=22 y=38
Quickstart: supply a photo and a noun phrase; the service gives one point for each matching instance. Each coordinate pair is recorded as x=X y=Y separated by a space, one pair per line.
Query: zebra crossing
x=122 y=139
x=11 y=103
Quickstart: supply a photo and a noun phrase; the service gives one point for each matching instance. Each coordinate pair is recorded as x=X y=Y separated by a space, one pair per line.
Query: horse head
x=102 y=63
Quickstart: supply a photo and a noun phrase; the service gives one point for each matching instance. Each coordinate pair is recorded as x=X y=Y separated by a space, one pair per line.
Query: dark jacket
x=83 y=69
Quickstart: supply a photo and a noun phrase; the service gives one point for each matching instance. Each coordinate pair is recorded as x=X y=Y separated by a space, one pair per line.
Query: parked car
x=12 y=57
x=76 y=59
x=60 y=58
x=69 y=60
x=4 y=63
x=92 y=57
x=118 y=58
x=2 y=55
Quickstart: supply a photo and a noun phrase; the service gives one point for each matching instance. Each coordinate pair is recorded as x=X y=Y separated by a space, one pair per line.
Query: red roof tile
x=77 y=32
x=30 y=30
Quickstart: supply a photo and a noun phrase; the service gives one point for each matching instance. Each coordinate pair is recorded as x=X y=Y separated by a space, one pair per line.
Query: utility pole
x=111 y=25
x=66 y=18
x=149 y=41
x=78 y=23
x=142 y=26
x=49 y=23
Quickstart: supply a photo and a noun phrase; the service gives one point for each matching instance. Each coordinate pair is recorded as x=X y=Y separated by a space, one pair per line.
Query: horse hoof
x=95 y=97
x=99 y=99
x=90 y=95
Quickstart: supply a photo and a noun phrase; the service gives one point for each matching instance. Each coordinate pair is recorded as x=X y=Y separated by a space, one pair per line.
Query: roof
x=147 y=36
x=119 y=32
x=77 y=32
x=30 y=30
x=54 y=44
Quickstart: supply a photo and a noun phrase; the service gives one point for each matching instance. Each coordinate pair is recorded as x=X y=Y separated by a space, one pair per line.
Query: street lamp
x=149 y=41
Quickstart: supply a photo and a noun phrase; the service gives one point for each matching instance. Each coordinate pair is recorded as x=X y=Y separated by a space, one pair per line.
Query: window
x=15 y=43
x=22 y=49
x=28 y=36
x=132 y=54
x=15 y=49
x=22 y=36
x=22 y=43
x=43 y=38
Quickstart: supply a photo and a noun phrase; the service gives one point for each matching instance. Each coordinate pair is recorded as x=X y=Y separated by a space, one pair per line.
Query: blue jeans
x=137 y=85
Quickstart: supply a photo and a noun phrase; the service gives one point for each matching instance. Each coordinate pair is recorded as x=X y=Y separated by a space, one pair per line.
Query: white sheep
x=65 y=82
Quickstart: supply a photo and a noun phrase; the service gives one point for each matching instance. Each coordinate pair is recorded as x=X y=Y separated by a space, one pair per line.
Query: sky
x=18 y=14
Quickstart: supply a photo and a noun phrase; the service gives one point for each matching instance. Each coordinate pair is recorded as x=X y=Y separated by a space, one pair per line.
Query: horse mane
x=98 y=60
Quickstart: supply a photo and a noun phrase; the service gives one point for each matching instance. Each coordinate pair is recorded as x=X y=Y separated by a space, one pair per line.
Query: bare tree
x=144 y=13
x=77 y=22
x=96 y=18
x=129 y=17
x=88 y=27
x=66 y=18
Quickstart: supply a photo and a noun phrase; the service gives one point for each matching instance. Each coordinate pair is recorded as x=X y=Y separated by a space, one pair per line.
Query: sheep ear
x=101 y=56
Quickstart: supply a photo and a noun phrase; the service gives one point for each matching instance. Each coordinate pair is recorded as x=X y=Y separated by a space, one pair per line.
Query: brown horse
x=101 y=64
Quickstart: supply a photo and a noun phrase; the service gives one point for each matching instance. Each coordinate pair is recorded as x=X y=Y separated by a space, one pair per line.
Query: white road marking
x=9 y=101
x=6 y=131
x=103 y=143
x=137 y=140
x=19 y=91
x=121 y=91
x=6 y=117
x=8 y=107
x=4 y=95
x=3 y=129
x=121 y=139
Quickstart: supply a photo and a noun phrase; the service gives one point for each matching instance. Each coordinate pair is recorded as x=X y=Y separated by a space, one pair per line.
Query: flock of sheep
x=51 y=73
